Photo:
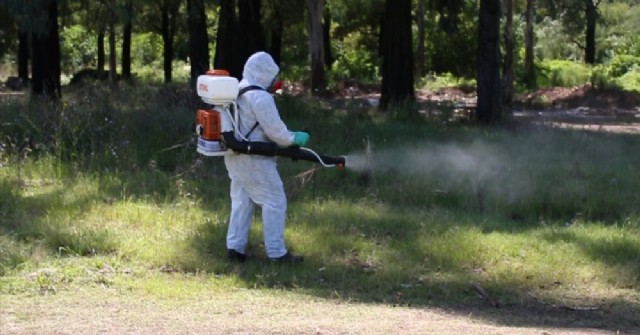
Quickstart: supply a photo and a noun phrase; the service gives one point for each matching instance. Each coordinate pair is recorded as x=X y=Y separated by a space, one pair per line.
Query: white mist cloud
x=478 y=165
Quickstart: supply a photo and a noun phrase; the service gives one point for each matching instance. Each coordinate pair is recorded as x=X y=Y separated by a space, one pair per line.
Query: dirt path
x=110 y=311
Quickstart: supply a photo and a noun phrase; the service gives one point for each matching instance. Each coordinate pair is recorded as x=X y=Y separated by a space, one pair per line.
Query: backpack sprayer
x=217 y=126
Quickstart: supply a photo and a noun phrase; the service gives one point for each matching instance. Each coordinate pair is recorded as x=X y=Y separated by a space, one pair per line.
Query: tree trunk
x=45 y=65
x=126 y=41
x=167 y=40
x=23 y=55
x=316 y=46
x=509 y=46
x=489 y=107
x=249 y=29
x=54 y=49
x=113 y=71
x=198 y=39
x=397 y=53
x=449 y=11
x=276 y=31
x=591 y=10
x=420 y=49
x=552 y=9
x=226 y=56
x=326 y=39
x=101 y=54
x=529 y=41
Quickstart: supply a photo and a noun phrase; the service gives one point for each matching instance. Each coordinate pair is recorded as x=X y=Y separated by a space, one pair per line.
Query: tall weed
x=102 y=128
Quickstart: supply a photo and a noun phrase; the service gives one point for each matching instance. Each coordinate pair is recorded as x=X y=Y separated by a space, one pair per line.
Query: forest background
x=540 y=43
x=110 y=222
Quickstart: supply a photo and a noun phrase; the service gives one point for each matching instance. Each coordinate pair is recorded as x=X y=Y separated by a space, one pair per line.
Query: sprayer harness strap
x=243 y=91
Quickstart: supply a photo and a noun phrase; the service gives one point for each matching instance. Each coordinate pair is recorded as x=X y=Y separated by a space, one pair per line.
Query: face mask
x=275 y=85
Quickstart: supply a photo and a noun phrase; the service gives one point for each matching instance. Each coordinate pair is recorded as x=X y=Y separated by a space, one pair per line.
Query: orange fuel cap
x=218 y=72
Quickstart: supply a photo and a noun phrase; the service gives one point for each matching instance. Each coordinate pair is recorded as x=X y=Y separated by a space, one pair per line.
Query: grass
x=544 y=213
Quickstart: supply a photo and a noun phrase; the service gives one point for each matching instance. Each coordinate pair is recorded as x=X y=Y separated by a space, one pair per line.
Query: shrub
x=553 y=43
x=600 y=78
x=622 y=64
x=562 y=73
x=435 y=82
x=355 y=61
x=630 y=81
x=146 y=49
x=79 y=48
x=12 y=254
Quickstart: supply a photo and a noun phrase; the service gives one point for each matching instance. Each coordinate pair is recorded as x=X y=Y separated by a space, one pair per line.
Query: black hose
x=272 y=149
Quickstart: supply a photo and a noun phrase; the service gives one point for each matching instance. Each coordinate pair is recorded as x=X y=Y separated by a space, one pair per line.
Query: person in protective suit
x=255 y=179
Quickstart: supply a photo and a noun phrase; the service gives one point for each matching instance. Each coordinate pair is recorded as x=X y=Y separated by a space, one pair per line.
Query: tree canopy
x=320 y=43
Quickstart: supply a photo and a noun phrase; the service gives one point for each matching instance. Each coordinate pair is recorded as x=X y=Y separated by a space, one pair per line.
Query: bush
x=79 y=48
x=600 y=78
x=553 y=43
x=621 y=64
x=630 y=45
x=622 y=72
x=12 y=254
x=436 y=82
x=354 y=61
x=631 y=80
x=562 y=73
x=146 y=49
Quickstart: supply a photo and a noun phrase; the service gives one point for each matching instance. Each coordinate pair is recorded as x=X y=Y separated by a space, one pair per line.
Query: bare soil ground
x=111 y=311
x=581 y=107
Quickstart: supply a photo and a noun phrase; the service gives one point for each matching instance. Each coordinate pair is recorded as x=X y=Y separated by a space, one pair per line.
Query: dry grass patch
x=237 y=311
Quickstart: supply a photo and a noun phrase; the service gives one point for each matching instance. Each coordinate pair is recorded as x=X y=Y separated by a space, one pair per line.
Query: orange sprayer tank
x=210 y=124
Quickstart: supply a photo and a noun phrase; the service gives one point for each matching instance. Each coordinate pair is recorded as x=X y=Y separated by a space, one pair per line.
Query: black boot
x=287 y=258
x=235 y=256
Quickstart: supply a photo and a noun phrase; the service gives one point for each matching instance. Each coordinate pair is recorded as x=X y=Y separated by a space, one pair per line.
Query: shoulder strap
x=250 y=88
x=243 y=91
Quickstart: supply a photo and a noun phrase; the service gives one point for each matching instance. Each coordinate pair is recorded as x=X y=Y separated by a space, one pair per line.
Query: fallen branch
x=482 y=293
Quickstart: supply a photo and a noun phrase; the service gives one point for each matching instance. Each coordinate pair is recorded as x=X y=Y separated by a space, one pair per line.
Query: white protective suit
x=255 y=179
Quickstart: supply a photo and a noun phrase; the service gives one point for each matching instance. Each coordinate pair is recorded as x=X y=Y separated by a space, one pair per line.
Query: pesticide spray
x=217 y=126
x=479 y=167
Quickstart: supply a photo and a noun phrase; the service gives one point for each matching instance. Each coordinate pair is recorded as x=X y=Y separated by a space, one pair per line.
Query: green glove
x=300 y=138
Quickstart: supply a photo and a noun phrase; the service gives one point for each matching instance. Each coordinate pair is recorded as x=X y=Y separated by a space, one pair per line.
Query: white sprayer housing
x=220 y=91
x=217 y=89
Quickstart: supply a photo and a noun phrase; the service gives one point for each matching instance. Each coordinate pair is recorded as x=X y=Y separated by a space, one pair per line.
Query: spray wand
x=272 y=149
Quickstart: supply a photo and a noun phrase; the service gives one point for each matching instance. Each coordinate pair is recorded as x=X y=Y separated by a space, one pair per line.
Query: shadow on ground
x=342 y=268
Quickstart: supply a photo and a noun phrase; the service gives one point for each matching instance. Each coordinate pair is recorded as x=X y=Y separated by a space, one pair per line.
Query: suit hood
x=260 y=69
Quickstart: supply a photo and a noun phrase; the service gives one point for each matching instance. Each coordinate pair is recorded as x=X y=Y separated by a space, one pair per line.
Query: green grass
x=437 y=82
x=536 y=211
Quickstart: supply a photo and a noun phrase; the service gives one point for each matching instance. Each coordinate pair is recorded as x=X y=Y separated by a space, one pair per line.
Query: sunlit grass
x=536 y=211
x=362 y=248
